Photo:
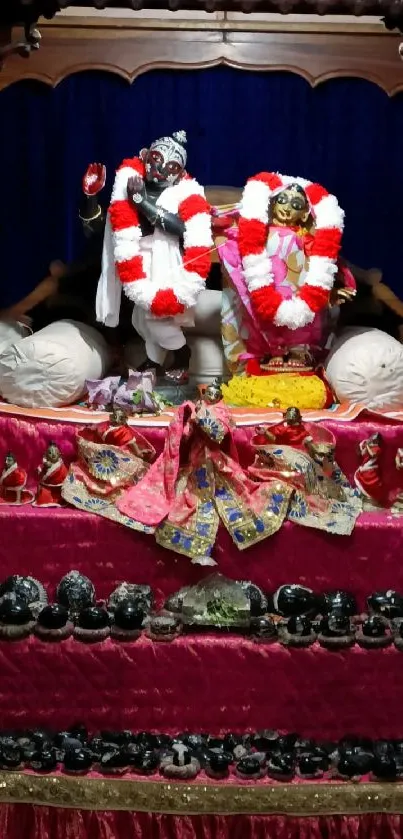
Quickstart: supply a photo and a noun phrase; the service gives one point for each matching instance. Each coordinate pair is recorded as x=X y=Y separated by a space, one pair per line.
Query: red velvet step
x=48 y=543
x=209 y=683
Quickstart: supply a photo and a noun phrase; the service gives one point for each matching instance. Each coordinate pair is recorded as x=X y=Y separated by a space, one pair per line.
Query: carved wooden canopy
x=178 y=38
x=316 y=51
x=19 y=11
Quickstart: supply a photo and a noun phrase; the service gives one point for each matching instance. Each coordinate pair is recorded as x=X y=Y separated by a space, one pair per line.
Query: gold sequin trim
x=302 y=799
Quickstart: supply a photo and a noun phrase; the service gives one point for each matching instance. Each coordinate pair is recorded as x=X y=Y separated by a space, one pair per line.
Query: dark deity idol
x=157 y=247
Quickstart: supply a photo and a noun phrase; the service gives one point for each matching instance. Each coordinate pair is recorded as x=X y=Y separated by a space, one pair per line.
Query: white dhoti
x=159 y=334
x=162 y=260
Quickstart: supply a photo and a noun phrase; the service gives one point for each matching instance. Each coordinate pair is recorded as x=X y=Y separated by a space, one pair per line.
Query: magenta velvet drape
x=201 y=683
x=31 y=822
x=28 y=439
x=48 y=543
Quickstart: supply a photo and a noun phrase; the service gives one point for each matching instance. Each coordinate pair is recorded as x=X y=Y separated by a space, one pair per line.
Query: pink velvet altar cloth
x=201 y=683
x=33 y=822
x=48 y=543
x=29 y=438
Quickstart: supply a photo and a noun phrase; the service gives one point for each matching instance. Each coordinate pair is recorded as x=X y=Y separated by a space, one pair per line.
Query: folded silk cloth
x=197 y=482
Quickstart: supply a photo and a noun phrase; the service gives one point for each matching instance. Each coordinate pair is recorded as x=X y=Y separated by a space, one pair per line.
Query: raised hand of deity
x=94 y=179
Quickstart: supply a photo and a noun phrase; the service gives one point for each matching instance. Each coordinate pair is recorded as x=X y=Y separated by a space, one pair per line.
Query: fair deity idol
x=289 y=238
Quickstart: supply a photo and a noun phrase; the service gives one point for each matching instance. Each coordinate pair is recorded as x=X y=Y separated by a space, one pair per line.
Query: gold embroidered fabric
x=299 y=799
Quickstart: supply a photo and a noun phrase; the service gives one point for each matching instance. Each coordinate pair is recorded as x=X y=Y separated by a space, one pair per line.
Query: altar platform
x=48 y=543
x=27 y=431
x=214 y=683
x=211 y=682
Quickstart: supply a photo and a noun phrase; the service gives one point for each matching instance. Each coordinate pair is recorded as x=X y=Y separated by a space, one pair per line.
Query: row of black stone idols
x=94 y=624
x=293 y=615
x=249 y=757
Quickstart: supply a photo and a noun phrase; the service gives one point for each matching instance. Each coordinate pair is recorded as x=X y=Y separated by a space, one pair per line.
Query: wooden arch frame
x=316 y=51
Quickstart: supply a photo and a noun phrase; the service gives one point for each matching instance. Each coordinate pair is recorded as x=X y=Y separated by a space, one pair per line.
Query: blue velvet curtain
x=346 y=134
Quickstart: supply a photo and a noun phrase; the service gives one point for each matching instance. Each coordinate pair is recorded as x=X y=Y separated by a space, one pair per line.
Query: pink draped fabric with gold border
x=31 y=822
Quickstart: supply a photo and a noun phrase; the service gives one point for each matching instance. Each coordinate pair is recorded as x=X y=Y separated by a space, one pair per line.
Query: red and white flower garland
x=179 y=292
x=314 y=295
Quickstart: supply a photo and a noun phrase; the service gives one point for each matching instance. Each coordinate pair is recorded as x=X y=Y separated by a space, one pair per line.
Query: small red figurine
x=368 y=477
x=13 y=481
x=117 y=432
x=290 y=432
x=52 y=474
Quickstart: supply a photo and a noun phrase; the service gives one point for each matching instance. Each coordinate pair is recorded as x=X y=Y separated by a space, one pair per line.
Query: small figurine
x=281 y=275
x=290 y=432
x=212 y=393
x=52 y=475
x=117 y=432
x=368 y=477
x=13 y=481
x=398 y=501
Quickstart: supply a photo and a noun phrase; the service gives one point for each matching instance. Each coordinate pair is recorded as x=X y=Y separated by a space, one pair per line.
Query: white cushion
x=366 y=366
x=10 y=332
x=50 y=368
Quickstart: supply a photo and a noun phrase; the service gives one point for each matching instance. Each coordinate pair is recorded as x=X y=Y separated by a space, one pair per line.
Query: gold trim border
x=299 y=799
